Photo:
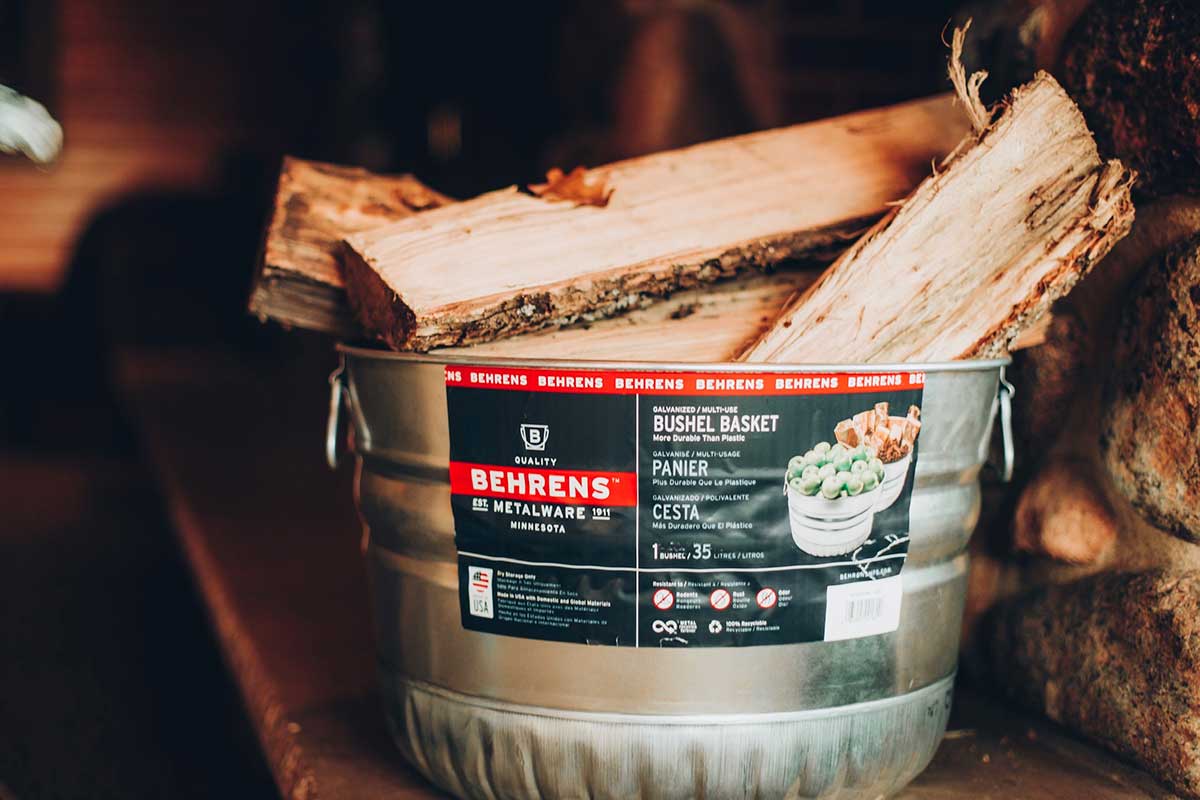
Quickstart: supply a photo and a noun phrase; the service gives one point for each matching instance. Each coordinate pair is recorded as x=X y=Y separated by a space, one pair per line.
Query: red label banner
x=582 y=487
x=681 y=383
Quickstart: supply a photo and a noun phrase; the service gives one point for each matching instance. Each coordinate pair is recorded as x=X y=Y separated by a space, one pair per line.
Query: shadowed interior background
x=141 y=238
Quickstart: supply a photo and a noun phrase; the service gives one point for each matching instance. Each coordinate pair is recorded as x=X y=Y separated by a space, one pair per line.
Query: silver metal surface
x=333 y=426
x=1004 y=397
x=492 y=716
x=482 y=749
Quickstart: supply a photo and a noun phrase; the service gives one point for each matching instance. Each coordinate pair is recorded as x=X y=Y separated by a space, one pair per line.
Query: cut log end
x=377 y=308
x=299 y=281
x=1105 y=220
x=1151 y=436
x=1063 y=515
x=1115 y=657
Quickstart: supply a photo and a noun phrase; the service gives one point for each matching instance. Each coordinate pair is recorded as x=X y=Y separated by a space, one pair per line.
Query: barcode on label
x=479 y=592
x=865 y=608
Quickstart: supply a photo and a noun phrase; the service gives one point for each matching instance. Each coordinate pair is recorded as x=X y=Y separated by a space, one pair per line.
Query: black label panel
x=681 y=509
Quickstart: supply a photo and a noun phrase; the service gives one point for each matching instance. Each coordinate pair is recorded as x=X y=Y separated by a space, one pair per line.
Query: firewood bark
x=707 y=324
x=299 y=281
x=1134 y=68
x=977 y=253
x=1062 y=514
x=1116 y=657
x=506 y=262
x=1151 y=435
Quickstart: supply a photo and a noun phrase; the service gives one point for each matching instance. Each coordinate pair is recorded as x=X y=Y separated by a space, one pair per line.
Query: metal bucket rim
x=382 y=354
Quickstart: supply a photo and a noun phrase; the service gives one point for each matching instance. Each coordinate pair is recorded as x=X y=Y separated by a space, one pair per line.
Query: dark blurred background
x=143 y=237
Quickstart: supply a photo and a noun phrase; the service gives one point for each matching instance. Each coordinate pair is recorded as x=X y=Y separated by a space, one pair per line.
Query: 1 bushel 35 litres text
x=800 y=710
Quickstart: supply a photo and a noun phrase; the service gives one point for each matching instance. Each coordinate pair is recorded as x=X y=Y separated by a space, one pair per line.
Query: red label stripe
x=681 y=383
x=575 y=487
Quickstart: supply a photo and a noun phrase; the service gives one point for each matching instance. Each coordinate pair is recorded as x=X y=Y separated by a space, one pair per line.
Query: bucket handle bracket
x=337 y=390
x=1004 y=396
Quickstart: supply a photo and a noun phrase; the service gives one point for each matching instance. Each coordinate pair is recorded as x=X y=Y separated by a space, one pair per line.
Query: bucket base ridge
x=476 y=748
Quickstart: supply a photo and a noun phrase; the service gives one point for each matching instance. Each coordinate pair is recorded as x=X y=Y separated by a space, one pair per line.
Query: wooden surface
x=976 y=254
x=299 y=281
x=272 y=538
x=506 y=262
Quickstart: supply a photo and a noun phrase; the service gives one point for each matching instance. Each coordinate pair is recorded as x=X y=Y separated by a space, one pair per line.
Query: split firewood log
x=977 y=253
x=1114 y=656
x=299 y=281
x=1063 y=514
x=508 y=262
x=1151 y=434
x=1134 y=68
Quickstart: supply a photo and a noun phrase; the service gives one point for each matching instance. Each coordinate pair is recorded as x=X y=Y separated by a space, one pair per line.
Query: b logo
x=535 y=436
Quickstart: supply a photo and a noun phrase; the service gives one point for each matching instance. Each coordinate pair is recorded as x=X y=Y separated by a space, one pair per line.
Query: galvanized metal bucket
x=486 y=716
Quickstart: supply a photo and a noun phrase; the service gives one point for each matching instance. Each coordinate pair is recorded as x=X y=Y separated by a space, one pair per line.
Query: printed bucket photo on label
x=835 y=491
x=645 y=509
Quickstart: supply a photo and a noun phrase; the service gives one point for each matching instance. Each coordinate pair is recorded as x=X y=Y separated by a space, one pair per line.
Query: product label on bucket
x=681 y=509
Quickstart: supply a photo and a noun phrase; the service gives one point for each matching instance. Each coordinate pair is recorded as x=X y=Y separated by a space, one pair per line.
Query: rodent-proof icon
x=664 y=599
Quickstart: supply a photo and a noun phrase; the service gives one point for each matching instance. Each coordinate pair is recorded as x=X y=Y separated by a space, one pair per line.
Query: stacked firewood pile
x=717 y=252
x=1019 y=207
x=1106 y=513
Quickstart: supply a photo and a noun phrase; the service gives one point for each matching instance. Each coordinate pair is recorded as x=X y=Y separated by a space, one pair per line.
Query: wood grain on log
x=1062 y=514
x=976 y=254
x=316 y=205
x=506 y=262
x=1116 y=657
x=1134 y=68
x=1151 y=436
